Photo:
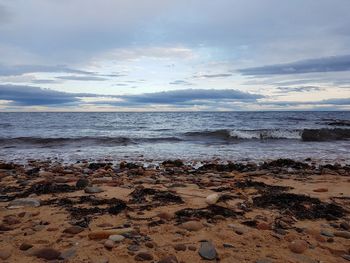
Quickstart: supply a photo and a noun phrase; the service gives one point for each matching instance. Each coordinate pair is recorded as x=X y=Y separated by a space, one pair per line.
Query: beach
x=174 y=211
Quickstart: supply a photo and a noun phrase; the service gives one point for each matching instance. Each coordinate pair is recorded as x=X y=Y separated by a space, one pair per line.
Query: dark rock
x=25 y=246
x=143 y=256
x=47 y=253
x=73 y=230
x=207 y=250
x=180 y=247
x=82 y=183
x=169 y=259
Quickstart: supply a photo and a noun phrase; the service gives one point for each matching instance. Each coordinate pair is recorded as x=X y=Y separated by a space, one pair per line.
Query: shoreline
x=276 y=211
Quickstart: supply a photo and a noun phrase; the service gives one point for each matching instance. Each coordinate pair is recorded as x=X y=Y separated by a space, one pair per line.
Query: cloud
x=191 y=96
x=326 y=64
x=5 y=15
x=332 y=101
x=181 y=82
x=299 y=89
x=21 y=95
x=209 y=76
x=82 y=78
x=25 y=69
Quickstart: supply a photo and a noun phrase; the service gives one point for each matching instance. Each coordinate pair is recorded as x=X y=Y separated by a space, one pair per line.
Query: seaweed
x=300 y=206
x=164 y=197
x=284 y=163
x=261 y=187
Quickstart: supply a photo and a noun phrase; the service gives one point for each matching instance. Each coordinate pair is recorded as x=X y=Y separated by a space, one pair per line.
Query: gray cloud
x=181 y=82
x=334 y=101
x=299 y=89
x=35 y=96
x=326 y=64
x=209 y=76
x=82 y=78
x=24 y=69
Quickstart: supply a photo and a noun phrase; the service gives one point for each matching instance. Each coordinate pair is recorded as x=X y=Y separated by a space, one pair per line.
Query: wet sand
x=281 y=211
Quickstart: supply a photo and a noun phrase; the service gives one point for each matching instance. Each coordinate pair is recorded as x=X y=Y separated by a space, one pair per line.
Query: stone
x=343 y=234
x=345 y=225
x=25 y=246
x=134 y=248
x=93 y=190
x=227 y=245
x=73 y=230
x=207 y=250
x=143 y=256
x=149 y=244
x=320 y=190
x=165 y=216
x=104 y=234
x=327 y=233
x=192 y=226
x=109 y=244
x=24 y=202
x=192 y=248
x=169 y=259
x=298 y=246
x=180 y=247
x=68 y=253
x=47 y=253
x=116 y=238
x=11 y=220
x=82 y=183
x=346 y=257
x=5 y=253
x=212 y=199
x=263 y=226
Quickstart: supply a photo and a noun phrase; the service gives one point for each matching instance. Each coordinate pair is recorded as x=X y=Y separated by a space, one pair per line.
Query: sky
x=183 y=55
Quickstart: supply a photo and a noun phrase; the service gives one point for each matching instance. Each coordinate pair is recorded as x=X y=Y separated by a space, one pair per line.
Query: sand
x=163 y=212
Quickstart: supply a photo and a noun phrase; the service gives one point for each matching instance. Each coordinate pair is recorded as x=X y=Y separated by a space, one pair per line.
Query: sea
x=190 y=136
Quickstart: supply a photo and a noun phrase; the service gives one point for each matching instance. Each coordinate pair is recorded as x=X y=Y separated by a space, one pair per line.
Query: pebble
x=169 y=259
x=47 y=253
x=11 y=220
x=109 y=244
x=346 y=257
x=207 y=250
x=212 y=199
x=24 y=202
x=180 y=247
x=327 y=233
x=343 y=234
x=93 y=190
x=263 y=226
x=5 y=253
x=192 y=248
x=345 y=225
x=73 y=230
x=116 y=238
x=104 y=234
x=133 y=248
x=320 y=190
x=82 y=183
x=149 y=244
x=298 y=246
x=67 y=254
x=25 y=246
x=192 y=226
x=165 y=215
x=226 y=245
x=143 y=256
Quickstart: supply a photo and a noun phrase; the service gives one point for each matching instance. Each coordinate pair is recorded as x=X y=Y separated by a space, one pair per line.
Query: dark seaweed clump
x=164 y=197
x=300 y=206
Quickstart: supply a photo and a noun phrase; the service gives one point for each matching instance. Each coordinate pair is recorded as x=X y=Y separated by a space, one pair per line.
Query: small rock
x=109 y=244
x=24 y=202
x=298 y=246
x=149 y=244
x=212 y=199
x=11 y=220
x=47 y=253
x=192 y=248
x=263 y=226
x=343 y=234
x=327 y=233
x=180 y=247
x=226 y=245
x=320 y=190
x=25 y=246
x=5 y=253
x=169 y=259
x=165 y=215
x=104 y=234
x=73 y=230
x=207 y=250
x=82 y=183
x=346 y=257
x=116 y=238
x=192 y=226
x=345 y=225
x=67 y=254
x=143 y=256
x=134 y=248
x=93 y=190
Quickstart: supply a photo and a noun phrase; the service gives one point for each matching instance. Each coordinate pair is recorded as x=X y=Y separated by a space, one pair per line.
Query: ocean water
x=235 y=136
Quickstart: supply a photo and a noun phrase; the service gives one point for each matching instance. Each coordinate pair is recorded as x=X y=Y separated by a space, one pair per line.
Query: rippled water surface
x=237 y=136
